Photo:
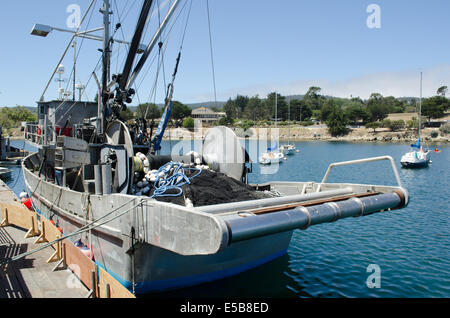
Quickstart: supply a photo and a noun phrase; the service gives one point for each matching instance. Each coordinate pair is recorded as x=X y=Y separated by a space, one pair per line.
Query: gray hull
x=153 y=246
x=122 y=246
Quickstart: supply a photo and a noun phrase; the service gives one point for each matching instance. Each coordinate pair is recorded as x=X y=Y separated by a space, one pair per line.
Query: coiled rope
x=172 y=176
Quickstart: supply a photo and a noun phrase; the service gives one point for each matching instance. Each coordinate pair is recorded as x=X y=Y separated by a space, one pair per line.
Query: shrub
x=373 y=125
x=188 y=123
x=445 y=129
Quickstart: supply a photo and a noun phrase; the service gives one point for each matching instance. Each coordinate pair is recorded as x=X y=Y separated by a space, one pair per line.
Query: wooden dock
x=32 y=276
x=60 y=270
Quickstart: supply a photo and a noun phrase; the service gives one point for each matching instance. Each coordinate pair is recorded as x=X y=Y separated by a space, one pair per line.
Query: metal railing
x=346 y=163
x=38 y=135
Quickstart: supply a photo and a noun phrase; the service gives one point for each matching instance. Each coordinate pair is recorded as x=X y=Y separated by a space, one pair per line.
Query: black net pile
x=214 y=188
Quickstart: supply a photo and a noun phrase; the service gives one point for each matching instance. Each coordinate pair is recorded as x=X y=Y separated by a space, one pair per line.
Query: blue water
x=411 y=246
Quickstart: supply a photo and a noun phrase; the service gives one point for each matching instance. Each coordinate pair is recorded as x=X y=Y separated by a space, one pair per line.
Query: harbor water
x=410 y=248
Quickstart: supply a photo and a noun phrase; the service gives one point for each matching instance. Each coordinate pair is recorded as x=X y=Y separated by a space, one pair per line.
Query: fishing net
x=211 y=187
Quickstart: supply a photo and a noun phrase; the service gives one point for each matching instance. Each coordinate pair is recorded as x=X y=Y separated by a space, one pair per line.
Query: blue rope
x=173 y=182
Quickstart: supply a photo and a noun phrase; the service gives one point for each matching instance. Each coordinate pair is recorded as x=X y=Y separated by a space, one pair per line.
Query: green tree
x=300 y=110
x=148 y=110
x=377 y=107
x=180 y=111
x=240 y=103
x=230 y=109
x=413 y=123
x=189 y=123
x=254 y=110
x=357 y=112
x=313 y=98
x=394 y=125
x=13 y=117
x=374 y=125
x=337 y=122
x=282 y=106
x=442 y=91
x=328 y=107
x=435 y=107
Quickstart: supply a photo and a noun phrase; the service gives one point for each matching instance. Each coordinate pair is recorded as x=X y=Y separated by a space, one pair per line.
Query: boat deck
x=32 y=276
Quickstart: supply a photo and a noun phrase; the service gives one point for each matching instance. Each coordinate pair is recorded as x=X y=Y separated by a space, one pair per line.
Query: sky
x=259 y=46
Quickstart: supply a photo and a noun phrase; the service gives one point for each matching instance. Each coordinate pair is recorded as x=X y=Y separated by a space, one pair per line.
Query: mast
x=106 y=63
x=74 y=45
x=134 y=44
x=276 y=110
x=420 y=105
x=289 y=122
x=153 y=42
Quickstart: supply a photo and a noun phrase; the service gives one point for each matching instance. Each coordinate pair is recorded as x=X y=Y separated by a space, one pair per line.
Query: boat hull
x=419 y=164
x=415 y=159
x=121 y=247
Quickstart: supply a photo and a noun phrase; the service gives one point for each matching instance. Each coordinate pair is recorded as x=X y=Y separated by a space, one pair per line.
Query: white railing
x=346 y=163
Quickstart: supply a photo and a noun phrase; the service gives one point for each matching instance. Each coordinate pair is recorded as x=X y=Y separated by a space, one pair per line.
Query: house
x=207 y=115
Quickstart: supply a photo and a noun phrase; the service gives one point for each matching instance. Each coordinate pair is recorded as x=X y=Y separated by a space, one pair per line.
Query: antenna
x=60 y=71
x=80 y=87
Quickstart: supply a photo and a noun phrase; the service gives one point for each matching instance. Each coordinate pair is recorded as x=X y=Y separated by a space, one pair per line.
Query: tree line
x=336 y=113
x=12 y=117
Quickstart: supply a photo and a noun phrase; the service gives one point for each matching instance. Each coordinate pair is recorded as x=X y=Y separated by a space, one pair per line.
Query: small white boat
x=271 y=157
x=416 y=159
x=288 y=149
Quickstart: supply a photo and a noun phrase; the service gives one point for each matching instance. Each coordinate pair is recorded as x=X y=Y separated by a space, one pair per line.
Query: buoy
x=28 y=203
x=138 y=165
x=23 y=195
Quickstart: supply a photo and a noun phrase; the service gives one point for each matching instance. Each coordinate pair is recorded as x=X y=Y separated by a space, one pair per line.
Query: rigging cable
x=212 y=56
x=166 y=41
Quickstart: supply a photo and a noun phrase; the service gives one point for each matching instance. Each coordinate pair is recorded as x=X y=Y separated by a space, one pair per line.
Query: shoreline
x=312 y=133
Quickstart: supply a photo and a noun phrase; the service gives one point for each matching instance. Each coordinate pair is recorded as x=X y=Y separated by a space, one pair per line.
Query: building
x=207 y=115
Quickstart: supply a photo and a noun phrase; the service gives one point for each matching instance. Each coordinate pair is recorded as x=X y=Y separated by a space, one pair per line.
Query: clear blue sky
x=259 y=46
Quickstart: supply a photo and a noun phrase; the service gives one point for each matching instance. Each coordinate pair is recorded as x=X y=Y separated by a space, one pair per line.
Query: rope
x=173 y=179
x=83 y=229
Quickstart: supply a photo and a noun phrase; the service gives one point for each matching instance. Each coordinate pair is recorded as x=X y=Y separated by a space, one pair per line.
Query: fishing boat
x=140 y=213
x=288 y=149
x=417 y=157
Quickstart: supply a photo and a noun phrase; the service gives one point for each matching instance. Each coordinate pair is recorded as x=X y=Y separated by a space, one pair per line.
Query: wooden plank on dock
x=79 y=263
x=109 y=287
x=19 y=215
x=32 y=276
